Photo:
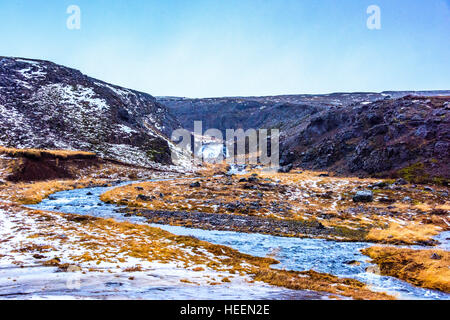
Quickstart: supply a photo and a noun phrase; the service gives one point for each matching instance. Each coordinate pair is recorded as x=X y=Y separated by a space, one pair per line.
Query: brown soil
x=27 y=166
x=38 y=170
x=27 y=170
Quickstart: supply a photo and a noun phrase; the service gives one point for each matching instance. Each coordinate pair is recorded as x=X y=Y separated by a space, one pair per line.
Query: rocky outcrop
x=407 y=137
x=398 y=134
x=48 y=106
x=281 y=112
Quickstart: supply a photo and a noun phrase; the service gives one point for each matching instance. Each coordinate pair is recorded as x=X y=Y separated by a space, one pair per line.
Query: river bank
x=343 y=259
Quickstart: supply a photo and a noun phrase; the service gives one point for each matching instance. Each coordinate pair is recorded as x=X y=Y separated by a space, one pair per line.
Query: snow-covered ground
x=28 y=239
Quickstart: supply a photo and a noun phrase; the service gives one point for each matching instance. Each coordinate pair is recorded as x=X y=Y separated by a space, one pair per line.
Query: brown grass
x=103 y=240
x=33 y=193
x=404 y=234
x=311 y=280
x=329 y=201
x=414 y=266
x=39 y=153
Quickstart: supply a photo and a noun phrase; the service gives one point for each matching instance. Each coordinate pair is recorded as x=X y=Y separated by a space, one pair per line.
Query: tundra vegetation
x=325 y=206
x=95 y=245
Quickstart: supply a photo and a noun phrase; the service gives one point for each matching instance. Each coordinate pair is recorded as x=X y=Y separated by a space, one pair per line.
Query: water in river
x=293 y=253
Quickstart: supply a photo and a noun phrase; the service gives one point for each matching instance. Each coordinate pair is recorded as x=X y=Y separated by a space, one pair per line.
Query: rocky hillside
x=407 y=137
x=48 y=106
x=386 y=134
x=280 y=112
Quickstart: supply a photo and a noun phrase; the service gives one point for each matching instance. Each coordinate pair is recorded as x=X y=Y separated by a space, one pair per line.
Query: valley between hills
x=93 y=207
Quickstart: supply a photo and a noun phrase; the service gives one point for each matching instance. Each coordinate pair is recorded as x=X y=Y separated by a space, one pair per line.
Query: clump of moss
x=419 y=173
x=414 y=173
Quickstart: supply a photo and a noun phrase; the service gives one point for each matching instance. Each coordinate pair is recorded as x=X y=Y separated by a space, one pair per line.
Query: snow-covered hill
x=44 y=105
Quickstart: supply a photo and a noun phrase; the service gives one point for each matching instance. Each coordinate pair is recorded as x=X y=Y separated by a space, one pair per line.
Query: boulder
x=386 y=200
x=195 y=185
x=401 y=182
x=435 y=256
x=363 y=196
x=285 y=169
x=378 y=185
x=143 y=197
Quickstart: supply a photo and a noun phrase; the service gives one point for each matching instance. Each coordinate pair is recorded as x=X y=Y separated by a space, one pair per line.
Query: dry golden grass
x=311 y=280
x=414 y=266
x=209 y=170
x=38 y=153
x=302 y=196
x=106 y=240
x=33 y=193
x=404 y=234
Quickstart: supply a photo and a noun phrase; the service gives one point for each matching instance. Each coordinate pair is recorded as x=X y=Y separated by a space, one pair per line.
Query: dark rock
x=386 y=200
x=353 y=263
x=195 y=185
x=363 y=196
x=439 y=212
x=139 y=188
x=435 y=256
x=326 y=195
x=401 y=182
x=378 y=185
x=286 y=169
x=143 y=197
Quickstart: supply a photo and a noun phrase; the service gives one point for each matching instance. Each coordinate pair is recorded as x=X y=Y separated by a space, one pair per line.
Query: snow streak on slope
x=44 y=105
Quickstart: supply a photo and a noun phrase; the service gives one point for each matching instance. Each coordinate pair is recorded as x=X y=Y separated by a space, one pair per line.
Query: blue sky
x=249 y=47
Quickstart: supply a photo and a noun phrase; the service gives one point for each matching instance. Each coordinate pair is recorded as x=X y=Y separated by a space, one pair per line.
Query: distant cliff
x=398 y=134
